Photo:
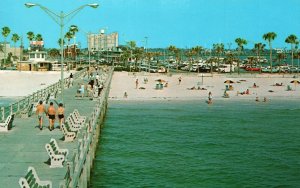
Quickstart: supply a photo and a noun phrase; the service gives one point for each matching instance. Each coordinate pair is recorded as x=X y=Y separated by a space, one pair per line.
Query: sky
x=183 y=23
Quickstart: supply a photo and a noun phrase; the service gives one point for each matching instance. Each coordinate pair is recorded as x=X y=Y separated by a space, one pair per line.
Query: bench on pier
x=7 y=124
x=57 y=150
x=69 y=136
x=72 y=128
x=77 y=120
x=27 y=112
x=78 y=116
x=31 y=179
x=56 y=155
x=71 y=125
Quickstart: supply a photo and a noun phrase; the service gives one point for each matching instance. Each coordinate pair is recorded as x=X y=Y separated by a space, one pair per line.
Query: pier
x=23 y=145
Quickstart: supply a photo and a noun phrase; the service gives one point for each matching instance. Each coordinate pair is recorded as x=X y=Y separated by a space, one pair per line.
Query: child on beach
x=136 y=83
x=179 y=80
x=209 y=98
x=40 y=109
x=60 y=114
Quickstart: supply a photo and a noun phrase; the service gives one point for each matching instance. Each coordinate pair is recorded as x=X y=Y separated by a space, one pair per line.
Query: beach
x=203 y=84
x=19 y=84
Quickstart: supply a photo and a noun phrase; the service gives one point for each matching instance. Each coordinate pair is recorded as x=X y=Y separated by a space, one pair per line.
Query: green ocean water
x=192 y=144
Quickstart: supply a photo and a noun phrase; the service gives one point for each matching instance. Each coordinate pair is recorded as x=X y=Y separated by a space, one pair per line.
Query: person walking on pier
x=51 y=114
x=61 y=114
x=40 y=110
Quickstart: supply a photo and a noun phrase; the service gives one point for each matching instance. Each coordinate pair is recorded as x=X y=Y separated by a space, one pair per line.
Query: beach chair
x=56 y=156
x=74 y=127
x=57 y=150
x=68 y=135
x=76 y=120
x=31 y=179
x=78 y=116
x=7 y=124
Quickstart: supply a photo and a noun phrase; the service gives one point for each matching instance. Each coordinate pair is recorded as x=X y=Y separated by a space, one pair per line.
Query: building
x=103 y=42
x=37 y=62
x=15 y=51
x=71 y=51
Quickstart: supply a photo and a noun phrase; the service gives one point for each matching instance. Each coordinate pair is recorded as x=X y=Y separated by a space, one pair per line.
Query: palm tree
x=219 y=49
x=30 y=36
x=59 y=42
x=189 y=54
x=5 y=33
x=280 y=57
x=132 y=46
x=269 y=37
x=39 y=37
x=292 y=39
x=240 y=42
x=197 y=50
x=15 y=38
x=68 y=36
x=229 y=59
x=138 y=54
x=259 y=47
x=172 y=49
x=53 y=53
x=74 y=29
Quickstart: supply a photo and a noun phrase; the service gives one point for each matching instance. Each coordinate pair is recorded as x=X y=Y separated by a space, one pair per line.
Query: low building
x=37 y=62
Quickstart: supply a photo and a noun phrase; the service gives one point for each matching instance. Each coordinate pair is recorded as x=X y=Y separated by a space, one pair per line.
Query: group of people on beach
x=51 y=112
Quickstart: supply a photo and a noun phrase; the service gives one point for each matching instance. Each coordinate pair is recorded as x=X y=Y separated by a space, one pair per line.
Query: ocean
x=192 y=144
x=4 y=101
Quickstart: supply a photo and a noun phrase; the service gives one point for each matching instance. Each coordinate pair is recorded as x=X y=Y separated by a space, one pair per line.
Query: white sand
x=125 y=82
x=17 y=84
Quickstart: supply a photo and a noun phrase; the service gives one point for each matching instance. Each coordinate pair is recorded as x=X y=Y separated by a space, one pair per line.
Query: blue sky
x=183 y=23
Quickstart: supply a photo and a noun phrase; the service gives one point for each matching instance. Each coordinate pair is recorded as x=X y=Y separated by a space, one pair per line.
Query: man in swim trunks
x=51 y=115
x=40 y=109
x=60 y=114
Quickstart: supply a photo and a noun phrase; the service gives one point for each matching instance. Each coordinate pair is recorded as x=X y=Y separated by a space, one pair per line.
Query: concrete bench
x=56 y=159
x=7 y=124
x=78 y=116
x=31 y=179
x=76 y=120
x=71 y=125
x=71 y=128
x=69 y=136
x=57 y=150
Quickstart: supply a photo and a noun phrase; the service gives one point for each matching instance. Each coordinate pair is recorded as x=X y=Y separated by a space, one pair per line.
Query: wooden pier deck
x=24 y=144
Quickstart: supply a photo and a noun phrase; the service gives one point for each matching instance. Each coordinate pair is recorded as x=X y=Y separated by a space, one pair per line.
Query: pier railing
x=42 y=94
x=78 y=168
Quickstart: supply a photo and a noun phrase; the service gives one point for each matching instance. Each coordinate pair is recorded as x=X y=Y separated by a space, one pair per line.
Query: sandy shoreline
x=126 y=82
x=19 y=84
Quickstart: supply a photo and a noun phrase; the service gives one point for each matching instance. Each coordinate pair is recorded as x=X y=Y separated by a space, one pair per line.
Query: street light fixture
x=59 y=19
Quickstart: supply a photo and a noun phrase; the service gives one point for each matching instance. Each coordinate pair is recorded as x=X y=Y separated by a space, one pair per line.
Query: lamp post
x=60 y=20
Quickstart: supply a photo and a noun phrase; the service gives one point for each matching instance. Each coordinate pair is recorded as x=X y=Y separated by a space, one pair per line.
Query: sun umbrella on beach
x=160 y=80
x=295 y=82
x=229 y=82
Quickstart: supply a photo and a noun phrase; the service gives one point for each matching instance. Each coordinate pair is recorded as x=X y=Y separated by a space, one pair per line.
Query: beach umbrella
x=160 y=80
x=295 y=82
x=228 y=82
